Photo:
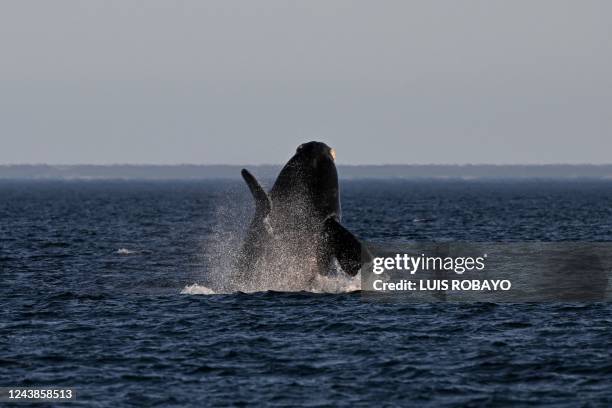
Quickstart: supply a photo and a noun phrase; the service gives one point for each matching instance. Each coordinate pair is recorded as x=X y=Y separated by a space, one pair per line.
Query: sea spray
x=285 y=270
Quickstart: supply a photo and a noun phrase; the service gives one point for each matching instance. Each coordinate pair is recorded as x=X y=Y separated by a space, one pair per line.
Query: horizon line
x=281 y=164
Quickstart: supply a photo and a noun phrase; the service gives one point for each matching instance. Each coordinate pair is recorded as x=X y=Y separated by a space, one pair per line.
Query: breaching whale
x=297 y=223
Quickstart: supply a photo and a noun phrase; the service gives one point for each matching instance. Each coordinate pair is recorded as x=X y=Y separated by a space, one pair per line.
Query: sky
x=245 y=82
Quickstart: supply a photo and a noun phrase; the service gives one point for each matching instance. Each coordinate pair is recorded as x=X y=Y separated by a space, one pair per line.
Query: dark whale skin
x=300 y=216
x=306 y=191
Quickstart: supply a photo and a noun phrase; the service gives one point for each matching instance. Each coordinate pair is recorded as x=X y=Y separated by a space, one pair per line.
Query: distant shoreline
x=206 y=172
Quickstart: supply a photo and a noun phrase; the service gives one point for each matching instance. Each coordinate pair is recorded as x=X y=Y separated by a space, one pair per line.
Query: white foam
x=196 y=289
x=335 y=284
x=124 y=251
x=321 y=284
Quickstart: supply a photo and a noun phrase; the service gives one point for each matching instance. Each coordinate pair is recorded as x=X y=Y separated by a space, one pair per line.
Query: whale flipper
x=260 y=232
x=263 y=206
x=344 y=246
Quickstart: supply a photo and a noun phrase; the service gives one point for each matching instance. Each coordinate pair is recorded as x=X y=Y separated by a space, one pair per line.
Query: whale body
x=297 y=224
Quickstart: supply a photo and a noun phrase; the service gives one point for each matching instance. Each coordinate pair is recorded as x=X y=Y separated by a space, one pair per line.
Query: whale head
x=307 y=186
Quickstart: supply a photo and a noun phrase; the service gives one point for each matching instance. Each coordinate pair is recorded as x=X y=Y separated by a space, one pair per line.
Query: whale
x=297 y=224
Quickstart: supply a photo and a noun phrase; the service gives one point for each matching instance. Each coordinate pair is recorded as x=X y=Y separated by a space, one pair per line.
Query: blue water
x=92 y=275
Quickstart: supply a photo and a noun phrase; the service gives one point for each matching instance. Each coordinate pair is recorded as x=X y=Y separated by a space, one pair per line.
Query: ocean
x=120 y=290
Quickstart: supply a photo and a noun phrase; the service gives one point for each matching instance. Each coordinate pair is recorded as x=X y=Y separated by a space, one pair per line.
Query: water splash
x=321 y=284
x=286 y=270
x=196 y=289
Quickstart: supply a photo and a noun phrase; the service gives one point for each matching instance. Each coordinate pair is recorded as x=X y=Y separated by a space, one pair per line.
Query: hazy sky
x=247 y=81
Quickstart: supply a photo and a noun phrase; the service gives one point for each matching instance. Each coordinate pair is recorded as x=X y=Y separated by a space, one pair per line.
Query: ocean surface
x=121 y=291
